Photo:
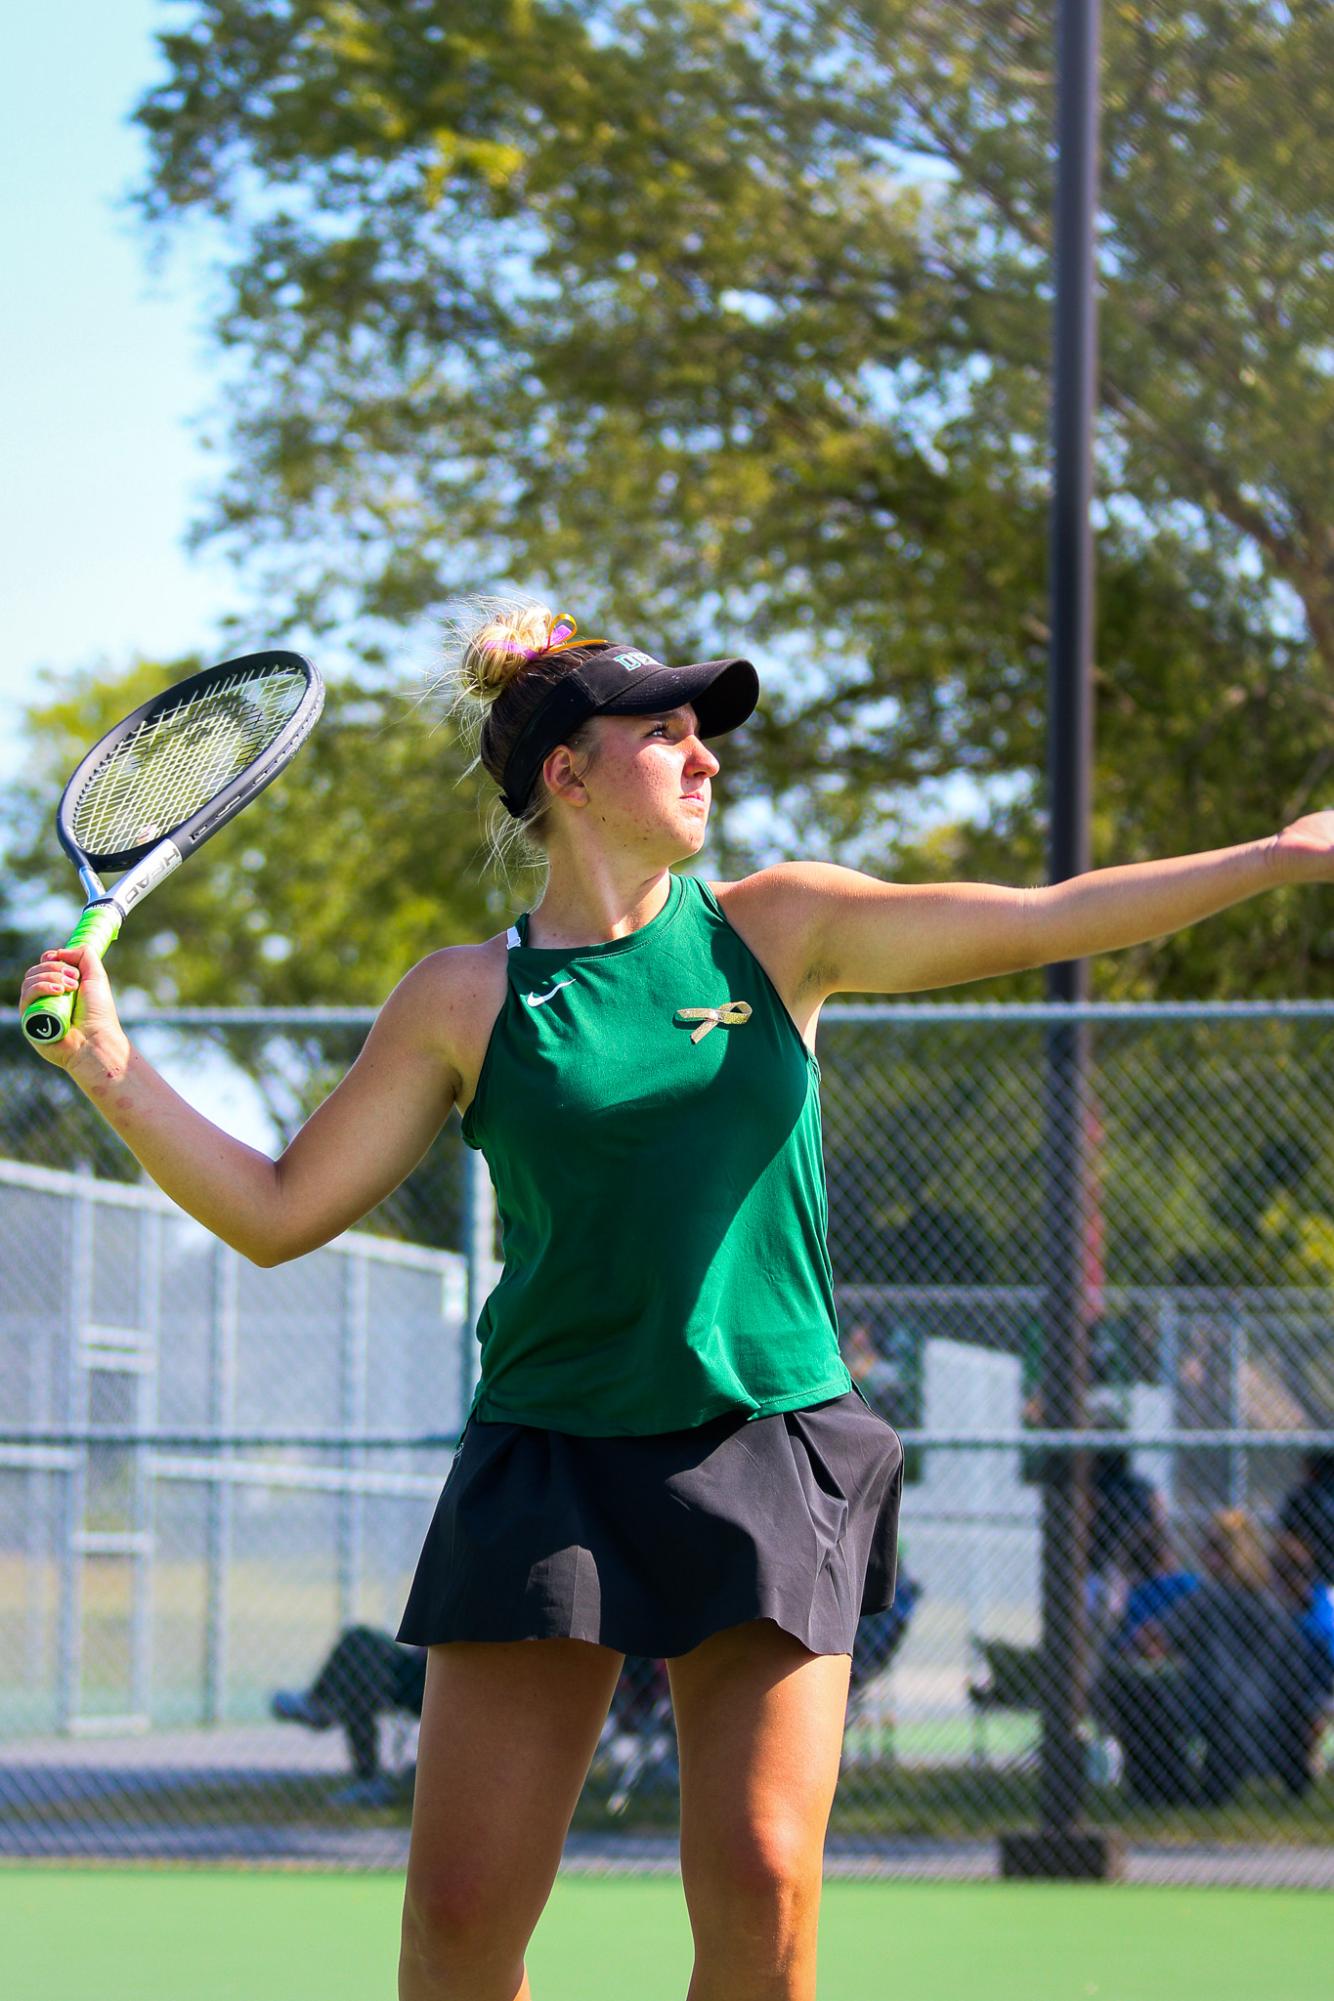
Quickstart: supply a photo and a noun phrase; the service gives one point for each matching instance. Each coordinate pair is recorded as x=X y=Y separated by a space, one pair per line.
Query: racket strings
x=175 y=761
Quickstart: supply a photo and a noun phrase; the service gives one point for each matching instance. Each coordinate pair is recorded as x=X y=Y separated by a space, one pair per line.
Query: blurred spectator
x=642 y=1696
x=366 y=1675
x=875 y=1376
x=1311 y=1604
x=638 y=1740
x=1251 y=1676
x=1308 y=1513
x=1136 y=1695
x=1122 y=1505
x=879 y=1635
x=1156 y=1580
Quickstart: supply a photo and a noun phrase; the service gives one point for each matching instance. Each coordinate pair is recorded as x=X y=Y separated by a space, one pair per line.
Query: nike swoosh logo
x=536 y=1000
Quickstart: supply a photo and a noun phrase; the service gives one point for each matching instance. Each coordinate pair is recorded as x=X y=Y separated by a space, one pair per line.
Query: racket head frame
x=147 y=863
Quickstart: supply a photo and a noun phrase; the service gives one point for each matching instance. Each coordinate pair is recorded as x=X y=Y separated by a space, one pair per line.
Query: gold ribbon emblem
x=732 y=1014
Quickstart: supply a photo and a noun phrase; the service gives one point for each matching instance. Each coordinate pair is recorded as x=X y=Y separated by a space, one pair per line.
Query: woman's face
x=650 y=783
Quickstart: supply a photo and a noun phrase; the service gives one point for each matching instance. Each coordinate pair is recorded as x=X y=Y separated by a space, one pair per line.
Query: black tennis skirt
x=650 y=1544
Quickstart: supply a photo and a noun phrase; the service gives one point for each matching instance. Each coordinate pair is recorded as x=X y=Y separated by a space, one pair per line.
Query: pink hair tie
x=561 y=628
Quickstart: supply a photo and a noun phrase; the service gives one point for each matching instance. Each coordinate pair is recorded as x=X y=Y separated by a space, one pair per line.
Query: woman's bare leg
x=759 y=1724
x=508 y=1732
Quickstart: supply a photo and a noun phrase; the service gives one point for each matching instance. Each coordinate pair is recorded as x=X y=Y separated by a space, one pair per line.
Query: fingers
x=49 y=980
x=67 y=969
x=76 y=974
x=50 y=976
x=56 y=976
x=79 y=960
x=56 y=972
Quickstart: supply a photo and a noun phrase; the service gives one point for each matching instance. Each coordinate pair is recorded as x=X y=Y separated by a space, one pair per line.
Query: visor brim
x=723 y=694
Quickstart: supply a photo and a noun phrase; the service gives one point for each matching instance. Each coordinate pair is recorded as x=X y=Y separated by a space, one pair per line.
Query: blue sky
x=103 y=366
x=104 y=374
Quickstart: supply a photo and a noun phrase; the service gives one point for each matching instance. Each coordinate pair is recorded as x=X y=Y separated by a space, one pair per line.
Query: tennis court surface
x=143 y=1935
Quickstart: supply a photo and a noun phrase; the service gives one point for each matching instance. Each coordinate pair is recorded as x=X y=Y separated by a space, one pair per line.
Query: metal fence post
x=73 y=1400
x=1236 y=1483
x=222 y=1397
x=1169 y=1365
x=352 y=1502
x=144 y=1485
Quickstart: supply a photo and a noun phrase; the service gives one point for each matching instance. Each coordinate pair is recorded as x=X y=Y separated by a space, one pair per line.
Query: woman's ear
x=563 y=776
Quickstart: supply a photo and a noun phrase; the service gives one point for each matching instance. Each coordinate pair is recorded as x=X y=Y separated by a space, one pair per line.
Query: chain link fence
x=215 y=1479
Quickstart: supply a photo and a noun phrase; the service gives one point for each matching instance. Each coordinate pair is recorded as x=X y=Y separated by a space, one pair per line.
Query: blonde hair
x=502 y=656
x=1237 y=1543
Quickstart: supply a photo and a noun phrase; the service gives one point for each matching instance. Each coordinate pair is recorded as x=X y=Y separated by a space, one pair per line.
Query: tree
x=734 y=319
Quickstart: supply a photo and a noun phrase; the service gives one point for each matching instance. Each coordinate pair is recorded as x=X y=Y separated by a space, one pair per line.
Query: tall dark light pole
x=1061 y=1846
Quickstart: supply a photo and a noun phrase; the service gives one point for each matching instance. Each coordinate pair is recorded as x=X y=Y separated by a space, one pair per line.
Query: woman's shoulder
x=460 y=978
x=458 y=990
x=777 y=888
x=774 y=912
x=455 y=962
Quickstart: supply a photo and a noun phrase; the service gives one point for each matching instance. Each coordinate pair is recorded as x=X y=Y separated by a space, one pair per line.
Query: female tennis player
x=666 y=1454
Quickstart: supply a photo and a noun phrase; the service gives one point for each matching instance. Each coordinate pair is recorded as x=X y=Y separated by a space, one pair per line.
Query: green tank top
x=659 y=1182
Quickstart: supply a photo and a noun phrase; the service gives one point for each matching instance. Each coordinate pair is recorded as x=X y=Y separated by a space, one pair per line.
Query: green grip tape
x=47 y=1021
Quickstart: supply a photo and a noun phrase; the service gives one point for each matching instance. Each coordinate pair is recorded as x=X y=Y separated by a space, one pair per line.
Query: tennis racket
x=159 y=783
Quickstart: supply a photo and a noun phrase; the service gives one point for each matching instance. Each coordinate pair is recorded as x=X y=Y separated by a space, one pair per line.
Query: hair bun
x=500 y=648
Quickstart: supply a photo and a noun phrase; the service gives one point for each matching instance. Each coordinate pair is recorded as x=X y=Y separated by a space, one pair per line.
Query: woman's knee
x=759 y=1722
x=774 y=1864
x=755 y=1913
x=465 y=1917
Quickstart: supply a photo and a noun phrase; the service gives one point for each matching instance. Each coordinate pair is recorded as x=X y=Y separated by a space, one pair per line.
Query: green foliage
x=1211 y=1170
x=734 y=319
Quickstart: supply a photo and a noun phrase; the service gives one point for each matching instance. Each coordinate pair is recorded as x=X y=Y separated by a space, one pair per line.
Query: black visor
x=623 y=680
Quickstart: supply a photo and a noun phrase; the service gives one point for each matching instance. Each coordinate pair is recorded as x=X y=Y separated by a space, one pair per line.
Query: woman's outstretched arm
x=867 y=936
x=369 y=1133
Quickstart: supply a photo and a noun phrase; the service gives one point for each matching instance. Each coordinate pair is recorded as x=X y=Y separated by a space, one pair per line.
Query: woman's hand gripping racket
x=160 y=783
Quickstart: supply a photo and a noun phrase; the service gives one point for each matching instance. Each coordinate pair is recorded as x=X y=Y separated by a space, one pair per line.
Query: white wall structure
x=188 y=1511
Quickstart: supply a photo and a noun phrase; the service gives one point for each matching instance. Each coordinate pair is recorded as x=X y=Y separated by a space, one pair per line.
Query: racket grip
x=47 y=1021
